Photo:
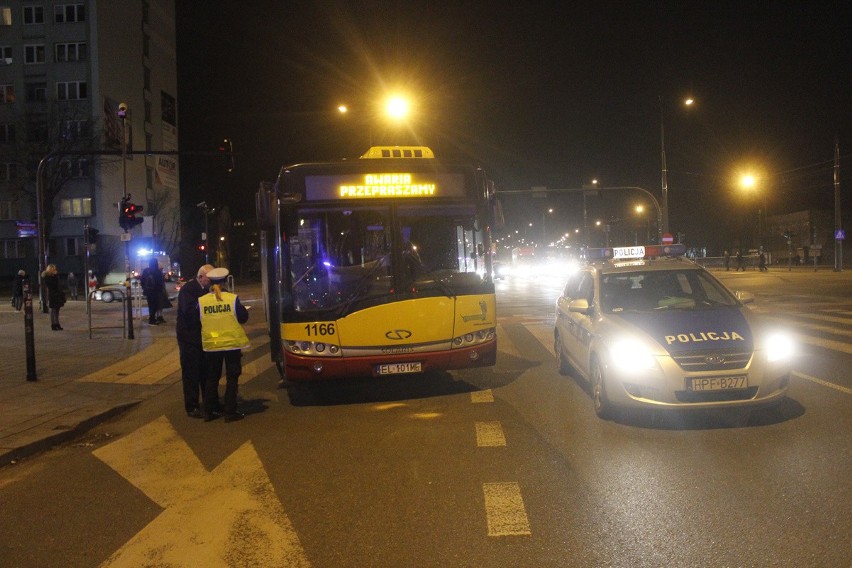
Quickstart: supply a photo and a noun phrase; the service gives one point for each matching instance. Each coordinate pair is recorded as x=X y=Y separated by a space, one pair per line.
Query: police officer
x=222 y=338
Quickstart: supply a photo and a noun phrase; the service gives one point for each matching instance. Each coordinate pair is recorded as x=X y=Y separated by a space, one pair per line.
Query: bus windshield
x=343 y=254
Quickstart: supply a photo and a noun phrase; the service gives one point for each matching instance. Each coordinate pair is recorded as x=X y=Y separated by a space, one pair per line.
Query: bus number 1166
x=319 y=329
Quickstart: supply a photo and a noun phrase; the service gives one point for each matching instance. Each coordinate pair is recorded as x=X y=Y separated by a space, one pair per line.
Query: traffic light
x=91 y=235
x=127 y=218
x=201 y=246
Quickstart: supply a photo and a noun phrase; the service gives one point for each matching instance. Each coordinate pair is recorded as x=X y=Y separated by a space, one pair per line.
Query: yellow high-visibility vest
x=220 y=330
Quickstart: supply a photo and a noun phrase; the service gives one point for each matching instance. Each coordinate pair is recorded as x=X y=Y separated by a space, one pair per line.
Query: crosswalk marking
x=482 y=396
x=504 y=509
x=160 y=360
x=489 y=434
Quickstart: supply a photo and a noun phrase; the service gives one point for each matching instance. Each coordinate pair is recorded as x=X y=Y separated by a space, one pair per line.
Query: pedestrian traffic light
x=91 y=235
x=127 y=219
x=202 y=247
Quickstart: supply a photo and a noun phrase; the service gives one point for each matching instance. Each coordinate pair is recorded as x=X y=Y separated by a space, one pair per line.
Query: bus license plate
x=718 y=383
x=398 y=368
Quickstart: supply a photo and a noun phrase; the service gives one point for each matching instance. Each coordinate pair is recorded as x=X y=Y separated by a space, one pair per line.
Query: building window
x=71 y=52
x=78 y=168
x=33 y=15
x=68 y=13
x=7 y=133
x=13 y=248
x=6 y=54
x=71 y=90
x=8 y=171
x=5 y=16
x=8 y=211
x=38 y=130
x=74 y=129
x=36 y=92
x=76 y=207
x=34 y=54
x=7 y=94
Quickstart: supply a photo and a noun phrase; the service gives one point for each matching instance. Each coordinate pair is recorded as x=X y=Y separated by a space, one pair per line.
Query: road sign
x=839 y=234
x=667 y=238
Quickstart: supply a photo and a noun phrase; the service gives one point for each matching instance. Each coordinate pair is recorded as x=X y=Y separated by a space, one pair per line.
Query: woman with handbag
x=55 y=295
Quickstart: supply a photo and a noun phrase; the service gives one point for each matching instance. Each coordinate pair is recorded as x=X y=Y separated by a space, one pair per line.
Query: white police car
x=648 y=329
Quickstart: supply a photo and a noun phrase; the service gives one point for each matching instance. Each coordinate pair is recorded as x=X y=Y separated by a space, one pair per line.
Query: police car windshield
x=662 y=290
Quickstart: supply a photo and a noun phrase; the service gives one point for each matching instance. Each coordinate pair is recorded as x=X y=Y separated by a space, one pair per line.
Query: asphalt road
x=507 y=466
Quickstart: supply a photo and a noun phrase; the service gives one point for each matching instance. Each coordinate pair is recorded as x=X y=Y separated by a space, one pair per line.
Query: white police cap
x=218 y=274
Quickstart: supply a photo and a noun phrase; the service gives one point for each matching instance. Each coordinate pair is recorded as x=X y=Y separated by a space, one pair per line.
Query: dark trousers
x=153 y=306
x=192 y=375
x=233 y=369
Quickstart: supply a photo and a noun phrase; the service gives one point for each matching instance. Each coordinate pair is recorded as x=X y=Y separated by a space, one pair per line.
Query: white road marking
x=504 y=344
x=544 y=334
x=243 y=523
x=486 y=395
x=504 y=509
x=822 y=382
x=489 y=435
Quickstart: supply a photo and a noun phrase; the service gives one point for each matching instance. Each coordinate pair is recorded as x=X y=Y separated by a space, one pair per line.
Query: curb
x=64 y=434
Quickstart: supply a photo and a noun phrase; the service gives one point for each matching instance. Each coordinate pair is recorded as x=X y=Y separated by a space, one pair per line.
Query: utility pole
x=838 y=229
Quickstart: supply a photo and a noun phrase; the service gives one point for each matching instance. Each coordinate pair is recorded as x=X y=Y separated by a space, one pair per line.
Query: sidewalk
x=81 y=382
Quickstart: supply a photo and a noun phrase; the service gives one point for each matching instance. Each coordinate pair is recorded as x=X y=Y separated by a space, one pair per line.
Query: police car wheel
x=603 y=407
x=561 y=361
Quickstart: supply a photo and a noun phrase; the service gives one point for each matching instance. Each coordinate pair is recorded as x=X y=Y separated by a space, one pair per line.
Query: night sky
x=538 y=95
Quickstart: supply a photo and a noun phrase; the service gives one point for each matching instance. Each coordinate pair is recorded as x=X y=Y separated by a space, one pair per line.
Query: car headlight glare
x=779 y=346
x=631 y=355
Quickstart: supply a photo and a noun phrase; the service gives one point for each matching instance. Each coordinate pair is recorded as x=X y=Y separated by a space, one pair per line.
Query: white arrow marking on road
x=227 y=517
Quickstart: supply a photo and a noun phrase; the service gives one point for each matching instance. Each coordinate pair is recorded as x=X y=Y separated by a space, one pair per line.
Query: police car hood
x=678 y=331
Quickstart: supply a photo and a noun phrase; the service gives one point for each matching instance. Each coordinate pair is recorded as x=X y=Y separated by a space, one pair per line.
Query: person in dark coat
x=72 y=285
x=153 y=286
x=18 y=290
x=188 y=329
x=55 y=295
x=740 y=261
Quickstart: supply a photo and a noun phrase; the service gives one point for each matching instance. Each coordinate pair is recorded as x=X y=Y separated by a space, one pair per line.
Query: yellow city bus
x=378 y=266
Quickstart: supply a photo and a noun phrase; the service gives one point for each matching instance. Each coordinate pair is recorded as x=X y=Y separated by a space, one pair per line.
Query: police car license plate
x=398 y=368
x=718 y=383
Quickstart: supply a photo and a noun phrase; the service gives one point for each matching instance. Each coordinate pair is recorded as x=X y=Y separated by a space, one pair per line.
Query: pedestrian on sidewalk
x=740 y=263
x=92 y=283
x=188 y=330
x=152 y=287
x=55 y=295
x=18 y=290
x=223 y=339
x=762 y=262
x=72 y=286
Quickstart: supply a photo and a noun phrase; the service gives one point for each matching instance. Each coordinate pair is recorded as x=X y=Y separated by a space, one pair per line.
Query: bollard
x=29 y=336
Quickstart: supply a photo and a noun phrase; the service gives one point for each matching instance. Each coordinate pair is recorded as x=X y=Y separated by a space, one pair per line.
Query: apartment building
x=65 y=68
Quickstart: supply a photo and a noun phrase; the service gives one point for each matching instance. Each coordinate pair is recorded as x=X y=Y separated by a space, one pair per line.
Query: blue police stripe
x=679 y=331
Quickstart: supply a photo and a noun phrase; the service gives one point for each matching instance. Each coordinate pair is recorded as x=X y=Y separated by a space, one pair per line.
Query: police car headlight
x=779 y=346
x=631 y=355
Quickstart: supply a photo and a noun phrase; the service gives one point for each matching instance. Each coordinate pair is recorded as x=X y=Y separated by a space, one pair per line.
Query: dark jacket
x=152 y=282
x=55 y=295
x=18 y=286
x=188 y=320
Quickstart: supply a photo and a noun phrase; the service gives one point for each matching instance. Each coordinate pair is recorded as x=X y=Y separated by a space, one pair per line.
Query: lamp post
x=206 y=236
x=544 y=225
x=664 y=170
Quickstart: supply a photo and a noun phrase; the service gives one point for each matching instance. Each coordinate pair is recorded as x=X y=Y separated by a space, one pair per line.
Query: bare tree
x=165 y=219
x=59 y=127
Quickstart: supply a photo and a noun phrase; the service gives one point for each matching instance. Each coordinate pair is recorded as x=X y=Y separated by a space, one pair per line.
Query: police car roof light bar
x=636 y=252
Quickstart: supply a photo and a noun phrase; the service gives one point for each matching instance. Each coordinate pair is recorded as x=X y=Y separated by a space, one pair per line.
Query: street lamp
x=688 y=102
x=544 y=225
x=748 y=182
